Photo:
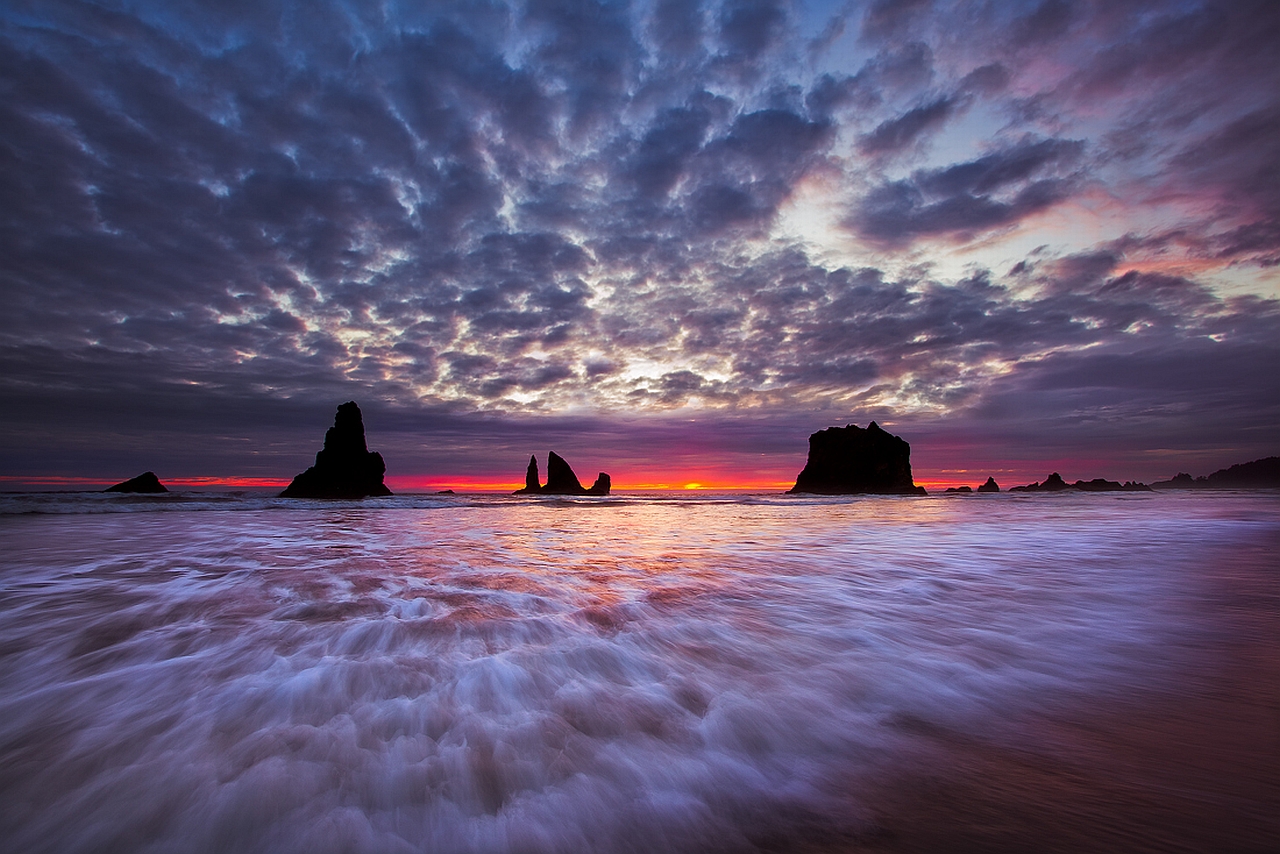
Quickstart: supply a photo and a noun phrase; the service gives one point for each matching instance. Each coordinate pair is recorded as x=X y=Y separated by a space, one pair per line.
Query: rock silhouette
x=346 y=468
x=560 y=479
x=532 y=482
x=989 y=486
x=1055 y=483
x=1258 y=474
x=146 y=482
x=1052 y=483
x=852 y=461
x=964 y=490
x=1181 y=480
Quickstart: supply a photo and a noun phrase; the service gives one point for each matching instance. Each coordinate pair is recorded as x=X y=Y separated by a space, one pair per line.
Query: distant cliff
x=852 y=461
x=147 y=482
x=345 y=468
x=560 y=479
x=1259 y=474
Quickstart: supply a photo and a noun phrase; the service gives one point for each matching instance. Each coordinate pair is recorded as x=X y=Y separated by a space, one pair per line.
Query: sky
x=668 y=240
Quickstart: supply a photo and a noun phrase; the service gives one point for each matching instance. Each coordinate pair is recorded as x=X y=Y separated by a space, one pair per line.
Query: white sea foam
x=457 y=674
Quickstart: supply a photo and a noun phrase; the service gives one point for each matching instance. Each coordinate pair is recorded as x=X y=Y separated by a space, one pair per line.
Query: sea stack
x=852 y=461
x=147 y=482
x=989 y=486
x=346 y=468
x=560 y=479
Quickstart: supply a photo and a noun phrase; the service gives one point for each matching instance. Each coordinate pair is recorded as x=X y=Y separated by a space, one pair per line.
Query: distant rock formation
x=1052 y=483
x=852 y=461
x=1099 y=484
x=346 y=468
x=560 y=479
x=965 y=490
x=1055 y=483
x=146 y=482
x=1258 y=474
x=989 y=486
x=1181 y=480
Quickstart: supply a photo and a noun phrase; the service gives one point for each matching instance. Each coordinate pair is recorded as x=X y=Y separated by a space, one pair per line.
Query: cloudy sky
x=666 y=239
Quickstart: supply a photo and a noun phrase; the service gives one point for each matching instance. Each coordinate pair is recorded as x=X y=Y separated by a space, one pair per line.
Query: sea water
x=711 y=673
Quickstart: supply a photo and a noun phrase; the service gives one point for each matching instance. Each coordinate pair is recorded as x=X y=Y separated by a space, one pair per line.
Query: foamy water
x=635 y=674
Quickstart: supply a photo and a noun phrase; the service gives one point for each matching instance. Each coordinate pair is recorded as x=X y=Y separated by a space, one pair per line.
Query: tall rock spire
x=345 y=468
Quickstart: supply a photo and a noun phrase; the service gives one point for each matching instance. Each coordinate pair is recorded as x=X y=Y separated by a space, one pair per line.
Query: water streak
x=639 y=674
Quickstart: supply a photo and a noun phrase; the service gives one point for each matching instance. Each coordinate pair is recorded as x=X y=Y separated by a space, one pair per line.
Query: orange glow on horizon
x=702 y=478
x=643 y=483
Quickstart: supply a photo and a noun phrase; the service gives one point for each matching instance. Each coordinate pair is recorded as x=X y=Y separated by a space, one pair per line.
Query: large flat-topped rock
x=852 y=461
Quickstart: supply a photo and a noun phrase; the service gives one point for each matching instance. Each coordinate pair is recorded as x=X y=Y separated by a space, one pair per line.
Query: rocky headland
x=852 y=461
x=560 y=479
x=147 y=482
x=1258 y=474
x=345 y=468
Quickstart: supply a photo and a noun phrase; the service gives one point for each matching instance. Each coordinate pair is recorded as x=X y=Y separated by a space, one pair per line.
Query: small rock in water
x=147 y=482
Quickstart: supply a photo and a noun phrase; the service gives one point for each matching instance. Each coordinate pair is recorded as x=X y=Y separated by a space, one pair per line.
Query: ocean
x=208 y=672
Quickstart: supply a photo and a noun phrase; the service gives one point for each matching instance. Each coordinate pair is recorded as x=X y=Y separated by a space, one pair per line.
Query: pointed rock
x=531 y=484
x=852 y=461
x=345 y=468
x=147 y=482
x=560 y=477
x=989 y=486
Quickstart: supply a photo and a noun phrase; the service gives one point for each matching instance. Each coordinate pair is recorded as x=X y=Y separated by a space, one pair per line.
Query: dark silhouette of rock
x=560 y=479
x=1259 y=474
x=960 y=489
x=989 y=486
x=1098 y=484
x=1055 y=483
x=147 y=482
x=852 y=461
x=532 y=483
x=1181 y=480
x=346 y=468
x=1052 y=483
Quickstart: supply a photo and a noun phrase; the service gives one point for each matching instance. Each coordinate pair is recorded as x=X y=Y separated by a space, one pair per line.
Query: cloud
x=958 y=201
x=463 y=213
x=896 y=134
